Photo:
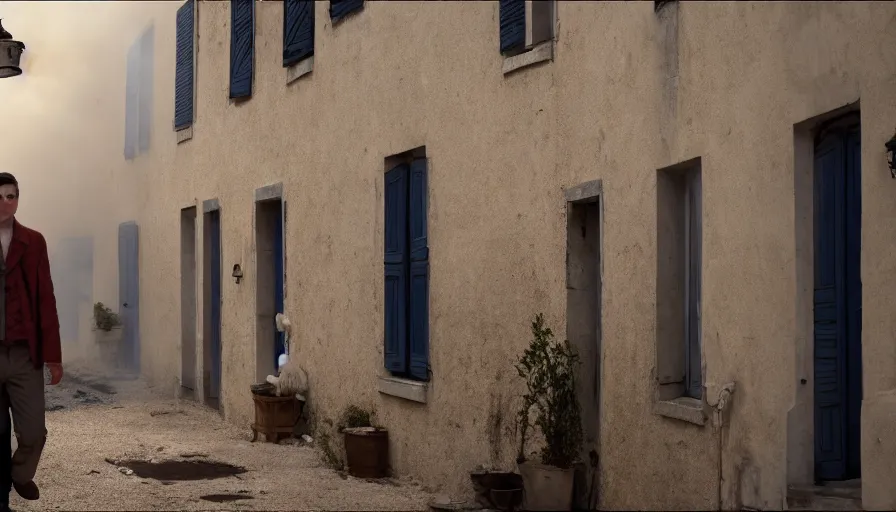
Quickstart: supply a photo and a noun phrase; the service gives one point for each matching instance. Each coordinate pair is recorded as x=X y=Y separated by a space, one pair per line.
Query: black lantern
x=10 y=54
x=891 y=155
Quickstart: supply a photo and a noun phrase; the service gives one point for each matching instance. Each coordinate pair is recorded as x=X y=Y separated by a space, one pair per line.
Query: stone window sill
x=299 y=69
x=539 y=53
x=412 y=390
x=682 y=408
x=184 y=134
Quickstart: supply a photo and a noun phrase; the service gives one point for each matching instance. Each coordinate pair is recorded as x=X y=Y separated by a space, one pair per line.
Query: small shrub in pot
x=550 y=404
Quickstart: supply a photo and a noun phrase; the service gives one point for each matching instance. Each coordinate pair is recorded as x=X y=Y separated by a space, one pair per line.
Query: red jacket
x=28 y=282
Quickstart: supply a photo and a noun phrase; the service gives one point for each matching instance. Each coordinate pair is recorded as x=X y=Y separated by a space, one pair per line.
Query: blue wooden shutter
x=418 y=300
x=693 y=357
x=298 y=30
x=147 y=66
x=829 y=312
x=396 y=269
x=183 y=73
x=853 y=276
x=512 y=15
x=131 y=121
x=342 y=8
x=242 y=47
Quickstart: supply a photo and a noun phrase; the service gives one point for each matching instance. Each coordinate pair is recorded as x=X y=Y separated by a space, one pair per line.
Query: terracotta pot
x=109 y=345
x=546 y=487
x=367 y=452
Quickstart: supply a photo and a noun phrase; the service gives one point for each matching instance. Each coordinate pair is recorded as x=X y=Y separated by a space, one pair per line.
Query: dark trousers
x=5 y=453
x=23 y=392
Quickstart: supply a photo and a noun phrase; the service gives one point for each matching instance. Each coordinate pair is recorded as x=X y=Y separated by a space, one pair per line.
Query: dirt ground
x=103 y=436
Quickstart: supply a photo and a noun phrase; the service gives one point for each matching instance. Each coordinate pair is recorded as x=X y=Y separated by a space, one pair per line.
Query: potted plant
x=549 y=368
x=107 y=332
x=366 y=445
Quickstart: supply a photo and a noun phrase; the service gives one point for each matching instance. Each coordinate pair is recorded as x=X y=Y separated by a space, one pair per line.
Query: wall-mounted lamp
x=10 y=54
x=891 y=155
x=237 y=273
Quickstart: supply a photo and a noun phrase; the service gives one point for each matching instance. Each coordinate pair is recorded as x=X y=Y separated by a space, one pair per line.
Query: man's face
x=9 y=202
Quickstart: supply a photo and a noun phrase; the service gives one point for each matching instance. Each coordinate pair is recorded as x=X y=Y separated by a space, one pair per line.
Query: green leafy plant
x=549 y=368
x=355 y=417
x=104 y=318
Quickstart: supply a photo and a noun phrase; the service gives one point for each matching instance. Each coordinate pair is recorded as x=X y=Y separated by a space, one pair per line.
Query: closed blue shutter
x=298 y=30
x=829 y=311
x=242 y=47
x=131 y=103
x=513 y=24
x=396 y=269
x=147 y=65
x=342 y=8
x=418 y=301
x=183 y=73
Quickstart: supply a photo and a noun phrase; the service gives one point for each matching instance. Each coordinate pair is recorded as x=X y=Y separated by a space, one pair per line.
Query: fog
x=62 y=136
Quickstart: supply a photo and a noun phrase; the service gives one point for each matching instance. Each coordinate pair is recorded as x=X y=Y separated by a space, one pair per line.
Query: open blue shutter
x=512 y=15
x=298 y=30
x=396 y=268
x=342 y=8
x=183 y=73
x=242 y=47
x=131 y=103
x=853 y=276
x=693 y=362
x=418 y=302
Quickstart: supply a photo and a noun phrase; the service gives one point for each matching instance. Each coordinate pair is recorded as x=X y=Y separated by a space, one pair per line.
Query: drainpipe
x=719 y=409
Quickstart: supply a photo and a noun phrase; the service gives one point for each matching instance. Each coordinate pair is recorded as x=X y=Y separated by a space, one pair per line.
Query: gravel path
x=93 y=434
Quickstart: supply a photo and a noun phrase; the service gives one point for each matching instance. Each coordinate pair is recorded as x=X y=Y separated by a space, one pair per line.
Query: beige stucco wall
x=501 y=150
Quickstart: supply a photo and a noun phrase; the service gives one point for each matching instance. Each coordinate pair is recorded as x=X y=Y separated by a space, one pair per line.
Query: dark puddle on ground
x=221 y=498
x=95 y=385
x=182 y=470
x=86 y=398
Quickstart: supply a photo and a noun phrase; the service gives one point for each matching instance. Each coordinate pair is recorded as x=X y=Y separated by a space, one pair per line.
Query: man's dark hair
x=8 y=179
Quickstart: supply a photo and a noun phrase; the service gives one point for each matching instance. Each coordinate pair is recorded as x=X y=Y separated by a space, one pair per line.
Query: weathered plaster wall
x=625 y=95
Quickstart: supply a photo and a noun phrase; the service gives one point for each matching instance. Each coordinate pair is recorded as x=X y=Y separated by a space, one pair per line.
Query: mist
x=63 y=138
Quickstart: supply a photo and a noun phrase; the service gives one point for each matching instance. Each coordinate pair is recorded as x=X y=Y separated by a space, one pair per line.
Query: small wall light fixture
x=891 y=154
x=10 y=54
x=237 y=273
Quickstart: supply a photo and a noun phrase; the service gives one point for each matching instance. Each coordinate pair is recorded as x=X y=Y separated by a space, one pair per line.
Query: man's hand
x=55 y=373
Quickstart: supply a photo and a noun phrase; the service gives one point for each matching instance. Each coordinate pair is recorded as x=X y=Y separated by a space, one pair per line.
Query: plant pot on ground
x=107 y=333
x=366 y=445
x=550 y=404
x=500 y=490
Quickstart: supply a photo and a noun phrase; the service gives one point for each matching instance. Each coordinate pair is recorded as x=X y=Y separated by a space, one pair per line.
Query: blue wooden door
x=277 y=254
x=838 y=302
x=129 y=294
x=214 y=345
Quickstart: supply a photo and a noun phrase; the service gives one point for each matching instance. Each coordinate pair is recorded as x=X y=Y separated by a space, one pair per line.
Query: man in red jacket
x=29 y=336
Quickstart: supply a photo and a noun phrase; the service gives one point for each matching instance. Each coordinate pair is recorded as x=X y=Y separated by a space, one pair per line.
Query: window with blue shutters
x=139 y=96
x=183 y=72
x=298 y=31
x=525 y=24
x=513 y=25
x=339 y=9
x=406 y=265
x=242 y=47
